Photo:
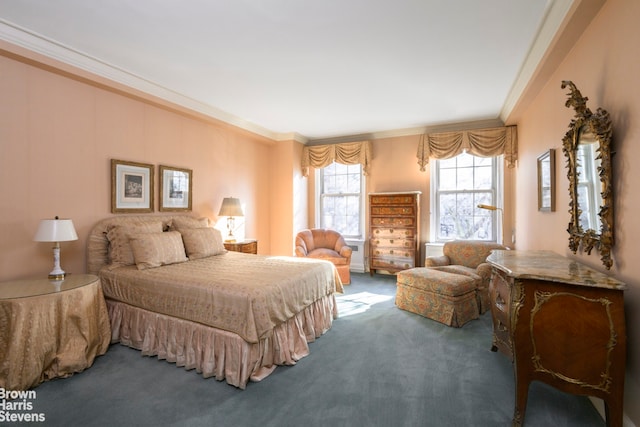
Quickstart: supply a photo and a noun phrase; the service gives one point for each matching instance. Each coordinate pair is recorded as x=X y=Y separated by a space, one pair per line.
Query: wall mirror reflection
x=547 y=181
x=587 y=147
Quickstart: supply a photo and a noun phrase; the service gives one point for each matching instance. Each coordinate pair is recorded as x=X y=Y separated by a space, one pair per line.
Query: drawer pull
x=501 y=326
x=391 y=241
x=391 y=251
x=391 y=230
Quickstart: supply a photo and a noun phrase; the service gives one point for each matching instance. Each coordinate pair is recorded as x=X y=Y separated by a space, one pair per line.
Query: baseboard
x=599 y=405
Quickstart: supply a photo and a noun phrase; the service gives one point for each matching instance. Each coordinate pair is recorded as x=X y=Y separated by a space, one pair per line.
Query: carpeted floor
x=377 y=366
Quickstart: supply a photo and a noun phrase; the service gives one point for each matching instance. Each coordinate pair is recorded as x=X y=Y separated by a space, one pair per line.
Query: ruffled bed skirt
x=215 y=352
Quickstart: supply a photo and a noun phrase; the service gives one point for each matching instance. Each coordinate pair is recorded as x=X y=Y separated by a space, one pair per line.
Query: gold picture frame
x=131 y=187
x=547 y=181
x=175 y=189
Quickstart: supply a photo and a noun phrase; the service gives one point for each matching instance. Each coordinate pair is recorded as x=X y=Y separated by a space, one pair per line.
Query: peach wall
x=57 y=137
x=605 y=67
x=289 y=207
x=395 y=168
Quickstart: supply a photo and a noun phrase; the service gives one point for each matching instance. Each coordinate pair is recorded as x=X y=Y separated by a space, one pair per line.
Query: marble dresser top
x=549 y=266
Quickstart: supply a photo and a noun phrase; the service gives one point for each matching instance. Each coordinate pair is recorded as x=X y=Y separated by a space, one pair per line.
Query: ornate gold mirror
x=587 y=147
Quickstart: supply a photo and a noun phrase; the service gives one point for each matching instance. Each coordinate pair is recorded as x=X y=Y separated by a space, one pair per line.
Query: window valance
x=479 y=142
x=347 y=153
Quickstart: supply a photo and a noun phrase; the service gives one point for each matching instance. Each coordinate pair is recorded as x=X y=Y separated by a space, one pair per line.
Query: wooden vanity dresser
x=561 y=323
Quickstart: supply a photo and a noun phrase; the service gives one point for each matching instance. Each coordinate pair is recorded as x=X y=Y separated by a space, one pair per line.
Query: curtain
x=347 y=153
x=480 y=142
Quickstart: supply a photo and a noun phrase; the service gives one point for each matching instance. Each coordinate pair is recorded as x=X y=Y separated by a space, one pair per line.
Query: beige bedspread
x=241 y=293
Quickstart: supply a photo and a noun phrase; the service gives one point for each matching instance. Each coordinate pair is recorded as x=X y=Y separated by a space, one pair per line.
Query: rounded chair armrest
x=301 y=251
x=345 y=251
x=437 y=261
x=484 y=270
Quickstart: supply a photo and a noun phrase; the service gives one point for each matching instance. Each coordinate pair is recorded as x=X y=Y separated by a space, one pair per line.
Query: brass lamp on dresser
x=561 y=323
x=394 y=231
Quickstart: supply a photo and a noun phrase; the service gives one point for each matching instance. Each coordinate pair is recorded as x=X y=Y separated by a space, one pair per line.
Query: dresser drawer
x=385 y=221
x=393 y=199
x=392 y=243
x=500 y=289
x=392 y=263
x=393 y=210
x=379 y=251
x=500 y=293
x=502 y=337
x=392 y=233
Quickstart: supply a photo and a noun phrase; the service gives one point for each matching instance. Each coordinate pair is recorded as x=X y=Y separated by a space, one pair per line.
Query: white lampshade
x=55 y=230
x=231 y=207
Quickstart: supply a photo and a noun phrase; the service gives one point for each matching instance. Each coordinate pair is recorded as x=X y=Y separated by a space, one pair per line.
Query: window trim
x=318 y=203
x=498 y=190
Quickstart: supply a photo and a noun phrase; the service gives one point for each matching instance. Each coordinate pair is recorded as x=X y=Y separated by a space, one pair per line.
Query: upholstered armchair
x=468 y=257
x=328 y=245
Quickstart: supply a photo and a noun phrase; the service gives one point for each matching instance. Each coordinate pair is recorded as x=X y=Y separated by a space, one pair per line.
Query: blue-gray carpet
x=377 y=366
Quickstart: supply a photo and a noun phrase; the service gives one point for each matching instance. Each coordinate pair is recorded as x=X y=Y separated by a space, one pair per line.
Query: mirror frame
x=599 y=125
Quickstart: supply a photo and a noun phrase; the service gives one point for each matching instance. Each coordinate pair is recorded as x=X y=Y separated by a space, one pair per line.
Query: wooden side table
x=50 y=329
x=249 y=246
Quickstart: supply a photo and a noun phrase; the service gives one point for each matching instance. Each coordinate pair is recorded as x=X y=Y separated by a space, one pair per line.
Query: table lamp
x=230 y=208
x=56 y=230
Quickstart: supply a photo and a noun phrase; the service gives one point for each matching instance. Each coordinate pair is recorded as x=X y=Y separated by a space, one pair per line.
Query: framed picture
x=547 y=181
x=175 y=189
x=131 y=187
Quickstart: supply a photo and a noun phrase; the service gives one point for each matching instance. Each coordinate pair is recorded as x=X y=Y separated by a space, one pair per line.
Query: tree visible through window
x=459 y=185
x=340 y=199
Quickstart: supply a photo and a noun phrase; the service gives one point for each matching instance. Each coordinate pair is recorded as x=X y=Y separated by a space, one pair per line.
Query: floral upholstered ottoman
x=448 y=298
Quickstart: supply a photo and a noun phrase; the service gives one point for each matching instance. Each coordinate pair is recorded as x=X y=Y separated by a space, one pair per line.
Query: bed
x=174 y=292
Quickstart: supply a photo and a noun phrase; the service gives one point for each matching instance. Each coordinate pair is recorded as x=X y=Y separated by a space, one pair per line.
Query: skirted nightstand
x=50 y=329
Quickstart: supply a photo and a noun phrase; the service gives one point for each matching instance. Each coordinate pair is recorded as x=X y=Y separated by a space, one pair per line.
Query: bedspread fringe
x=215 y=352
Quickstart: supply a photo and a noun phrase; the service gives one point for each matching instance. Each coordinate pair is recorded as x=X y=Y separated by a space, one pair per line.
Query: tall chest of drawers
x=394 y=231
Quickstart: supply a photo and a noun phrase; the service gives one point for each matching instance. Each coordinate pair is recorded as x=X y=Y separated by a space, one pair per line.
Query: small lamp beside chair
x=230 y=208
x=56 y=230
x=494 y=208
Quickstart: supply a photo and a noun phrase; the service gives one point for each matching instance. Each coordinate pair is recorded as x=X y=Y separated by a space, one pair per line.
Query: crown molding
x=40 y=45
x=397 y=133
x=554 y=17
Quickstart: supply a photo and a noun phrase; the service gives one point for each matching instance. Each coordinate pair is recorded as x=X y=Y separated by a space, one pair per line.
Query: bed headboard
x=98 y=245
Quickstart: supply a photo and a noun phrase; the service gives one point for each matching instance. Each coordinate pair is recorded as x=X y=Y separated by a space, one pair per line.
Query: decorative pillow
x=186 y=222
x=202 y=242
x=120 y=253
x=155 y=249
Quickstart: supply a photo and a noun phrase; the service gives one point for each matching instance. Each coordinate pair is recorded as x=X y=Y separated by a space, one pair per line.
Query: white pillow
x=157 y=249
x=202 y=242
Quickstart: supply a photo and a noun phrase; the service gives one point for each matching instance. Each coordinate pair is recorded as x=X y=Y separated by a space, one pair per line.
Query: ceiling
x=316 y=70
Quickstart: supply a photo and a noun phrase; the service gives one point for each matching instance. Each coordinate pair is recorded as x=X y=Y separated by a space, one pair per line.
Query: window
x=340 y=201
x=458 y=185
x=589 y=198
